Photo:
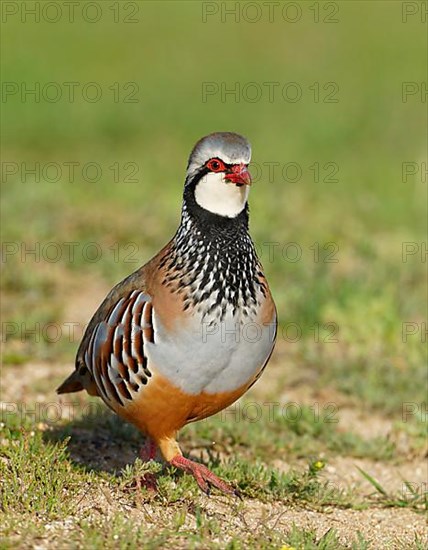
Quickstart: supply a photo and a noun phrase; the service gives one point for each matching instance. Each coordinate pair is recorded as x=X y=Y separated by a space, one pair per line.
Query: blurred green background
x=170 y=52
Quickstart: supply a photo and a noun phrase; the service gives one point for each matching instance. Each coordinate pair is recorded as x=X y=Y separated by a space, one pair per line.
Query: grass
x=290 y=431
x=410 y=497
x=71 y=478
x=40 y=481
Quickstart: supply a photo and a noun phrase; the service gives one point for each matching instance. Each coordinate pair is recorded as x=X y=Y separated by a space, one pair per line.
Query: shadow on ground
x=99 y=441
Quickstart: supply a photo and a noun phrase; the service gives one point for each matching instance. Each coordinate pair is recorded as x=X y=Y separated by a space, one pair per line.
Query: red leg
x=204 y=477
x=147 y=453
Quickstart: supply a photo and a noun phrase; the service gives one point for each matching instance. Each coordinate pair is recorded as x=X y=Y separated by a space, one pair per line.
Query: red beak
x=239 y=174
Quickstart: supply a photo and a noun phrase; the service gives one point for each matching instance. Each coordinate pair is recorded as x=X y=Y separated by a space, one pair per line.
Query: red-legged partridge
x=189 y=332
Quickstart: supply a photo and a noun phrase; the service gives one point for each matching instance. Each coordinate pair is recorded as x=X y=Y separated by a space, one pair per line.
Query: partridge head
x=218 y=174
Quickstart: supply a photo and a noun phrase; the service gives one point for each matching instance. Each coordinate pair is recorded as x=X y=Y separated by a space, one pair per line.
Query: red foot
x=204 y=477
x=148 y=481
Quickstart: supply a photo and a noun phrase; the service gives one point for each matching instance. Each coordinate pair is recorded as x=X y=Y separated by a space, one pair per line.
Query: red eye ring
x=216 y=165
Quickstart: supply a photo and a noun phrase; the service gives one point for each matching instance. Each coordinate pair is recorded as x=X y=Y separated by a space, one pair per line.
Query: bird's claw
x=203 y=476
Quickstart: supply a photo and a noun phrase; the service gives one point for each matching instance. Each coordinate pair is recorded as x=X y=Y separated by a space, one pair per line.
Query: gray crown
x=230 y=147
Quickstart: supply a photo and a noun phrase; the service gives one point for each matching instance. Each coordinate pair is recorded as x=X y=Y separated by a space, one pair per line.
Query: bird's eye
x=215 y=165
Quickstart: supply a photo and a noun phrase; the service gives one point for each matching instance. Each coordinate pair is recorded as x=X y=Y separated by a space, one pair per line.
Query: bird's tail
x=71 y=384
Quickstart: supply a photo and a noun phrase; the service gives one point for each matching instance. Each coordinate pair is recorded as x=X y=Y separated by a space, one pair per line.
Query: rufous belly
x=162 y=408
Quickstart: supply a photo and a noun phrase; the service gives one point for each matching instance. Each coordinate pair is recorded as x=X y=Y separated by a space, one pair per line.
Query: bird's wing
x=113 y=349
x=112 y=357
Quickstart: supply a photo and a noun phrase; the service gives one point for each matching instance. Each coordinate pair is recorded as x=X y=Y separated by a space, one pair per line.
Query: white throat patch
x=221 y=197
